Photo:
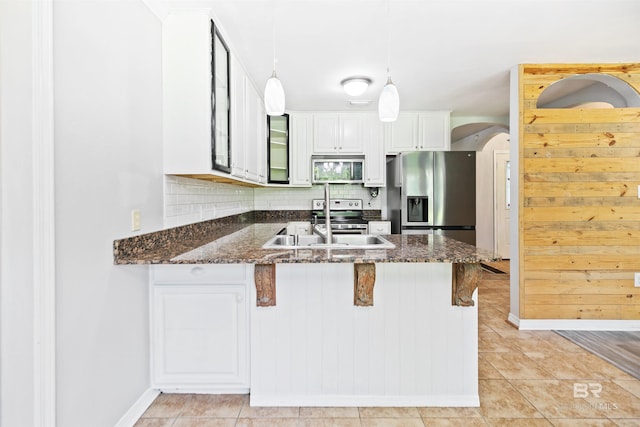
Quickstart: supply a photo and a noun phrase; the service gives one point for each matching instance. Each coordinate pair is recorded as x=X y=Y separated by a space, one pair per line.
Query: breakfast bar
x=325 y=326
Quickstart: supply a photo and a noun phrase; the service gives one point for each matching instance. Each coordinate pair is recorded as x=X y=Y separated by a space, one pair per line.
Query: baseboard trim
x=574 y=324
x=513 y=319
x=365 y=401
x=135 y=412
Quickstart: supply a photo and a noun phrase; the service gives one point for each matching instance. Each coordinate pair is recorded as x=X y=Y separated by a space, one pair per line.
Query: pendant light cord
x=388 y=39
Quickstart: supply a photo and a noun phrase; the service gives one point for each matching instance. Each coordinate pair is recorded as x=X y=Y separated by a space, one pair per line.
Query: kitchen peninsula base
x=412 y=347
x=315 y=346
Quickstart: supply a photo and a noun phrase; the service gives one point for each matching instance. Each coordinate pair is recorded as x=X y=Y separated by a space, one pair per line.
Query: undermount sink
x=339 y=241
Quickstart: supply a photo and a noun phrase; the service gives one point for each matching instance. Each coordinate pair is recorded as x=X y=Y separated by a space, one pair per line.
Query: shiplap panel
x=587 y=140
x=581 y=115
x=555 y=152
x=582 y=165
x=613 y=128
x=578 y=311
x=578 y=287
x=579 y=211
x=411 y=348
x=581 y=189
x=584 y=299
x=582 y=262
x=555 y=237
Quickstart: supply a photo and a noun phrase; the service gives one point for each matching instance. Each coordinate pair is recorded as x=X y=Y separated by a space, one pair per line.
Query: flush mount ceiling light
x=355 y=86
x=273 y=90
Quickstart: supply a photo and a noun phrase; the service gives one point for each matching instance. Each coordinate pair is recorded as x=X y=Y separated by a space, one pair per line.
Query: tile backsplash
x=189 y=200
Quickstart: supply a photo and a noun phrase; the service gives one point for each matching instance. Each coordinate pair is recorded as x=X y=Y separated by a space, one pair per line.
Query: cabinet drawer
x=379 y=227
x=203 y=273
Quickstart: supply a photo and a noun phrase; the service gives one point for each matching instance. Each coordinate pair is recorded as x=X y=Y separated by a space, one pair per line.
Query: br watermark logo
x=593 y=390
x=582 y=390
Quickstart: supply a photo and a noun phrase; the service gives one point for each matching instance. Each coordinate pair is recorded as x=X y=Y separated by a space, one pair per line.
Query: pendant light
x=273 y=91
x=389 y=101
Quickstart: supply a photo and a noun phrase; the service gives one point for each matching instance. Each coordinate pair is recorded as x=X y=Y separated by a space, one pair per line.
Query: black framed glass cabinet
x=278 y=148
x=220 y=103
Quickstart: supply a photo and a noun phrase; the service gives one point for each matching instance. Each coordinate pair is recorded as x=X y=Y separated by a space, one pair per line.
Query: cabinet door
x=375 y=159
x=186 y=94
x=403 y=134
x=252 y=142
x=238 y=165
x=301 y=126
x=278 y=150
x=351 y=134
x=200 y=337
x=434 y=131
x=326 y=133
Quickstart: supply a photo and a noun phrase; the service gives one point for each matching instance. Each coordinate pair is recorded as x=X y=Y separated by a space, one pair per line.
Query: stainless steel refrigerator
x=433 y=192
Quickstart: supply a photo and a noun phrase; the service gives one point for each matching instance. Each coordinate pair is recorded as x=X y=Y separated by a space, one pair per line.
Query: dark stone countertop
x=233 y=243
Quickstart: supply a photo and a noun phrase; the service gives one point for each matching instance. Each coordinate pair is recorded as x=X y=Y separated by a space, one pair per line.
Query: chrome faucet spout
x=327 y=214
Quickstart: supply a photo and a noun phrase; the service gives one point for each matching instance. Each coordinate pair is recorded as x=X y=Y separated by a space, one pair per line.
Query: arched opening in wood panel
x=589 y=91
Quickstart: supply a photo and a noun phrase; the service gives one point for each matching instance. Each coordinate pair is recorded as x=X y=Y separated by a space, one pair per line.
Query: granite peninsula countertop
x=242 y=243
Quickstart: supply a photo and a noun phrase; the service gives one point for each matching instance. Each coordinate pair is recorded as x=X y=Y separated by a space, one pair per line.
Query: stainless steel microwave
x=337 y=169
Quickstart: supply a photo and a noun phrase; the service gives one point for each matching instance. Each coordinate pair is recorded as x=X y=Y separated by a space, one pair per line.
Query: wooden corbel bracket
x=265 y=278
x=364 y=278
x=466 y=278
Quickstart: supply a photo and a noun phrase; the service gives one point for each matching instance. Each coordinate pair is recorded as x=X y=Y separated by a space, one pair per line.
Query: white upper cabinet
x=248 y=128
x=338 y=133
x=187 y=106
x=186 y=94
x=375 y=159
x=419 y=131
x=301 y=131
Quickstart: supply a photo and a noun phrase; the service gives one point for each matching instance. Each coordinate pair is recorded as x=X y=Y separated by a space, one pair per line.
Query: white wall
x=108 y=151
x=16 y=206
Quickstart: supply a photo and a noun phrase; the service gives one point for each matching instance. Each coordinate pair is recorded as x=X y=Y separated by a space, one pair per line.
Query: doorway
x=502 y=200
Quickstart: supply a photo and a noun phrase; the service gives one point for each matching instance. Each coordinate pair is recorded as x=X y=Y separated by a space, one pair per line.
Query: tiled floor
x=527 y=378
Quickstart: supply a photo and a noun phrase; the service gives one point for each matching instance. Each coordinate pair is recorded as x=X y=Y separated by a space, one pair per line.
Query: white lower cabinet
x=200 y=328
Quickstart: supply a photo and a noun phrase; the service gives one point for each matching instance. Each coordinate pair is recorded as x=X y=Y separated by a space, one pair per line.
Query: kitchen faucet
x=327 y=214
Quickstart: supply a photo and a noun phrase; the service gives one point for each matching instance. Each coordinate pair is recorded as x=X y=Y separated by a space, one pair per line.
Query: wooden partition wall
x=579 y=210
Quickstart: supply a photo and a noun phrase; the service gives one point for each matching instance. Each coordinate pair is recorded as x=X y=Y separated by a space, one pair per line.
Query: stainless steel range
x=346 y=215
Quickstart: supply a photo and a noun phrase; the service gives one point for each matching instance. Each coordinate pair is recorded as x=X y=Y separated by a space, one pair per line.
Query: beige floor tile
x=154 y=422
x=516 y=366
x=486 y=371
x=204 y=422
x=449 y=412
x=267 y=422
x=582 y=422
x=329 y=412
x=166 y=406
x=391 y=422
x=555 y=399
x=616 y=402
x=518 y=422
x=214 y=405
x=498 y=399
x=600 y=368
x=632 y=386
x=561 y=365
x=455 y=422
x=329 y=422
x=378 y=412
x=492 y=342
x=629 y=422
x=269 y=412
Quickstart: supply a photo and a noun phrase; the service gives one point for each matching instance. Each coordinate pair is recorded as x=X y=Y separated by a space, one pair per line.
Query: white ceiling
x=445 y=54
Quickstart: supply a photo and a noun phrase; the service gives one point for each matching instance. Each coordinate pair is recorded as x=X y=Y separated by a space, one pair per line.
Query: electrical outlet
x=135 y=220
x=636 y=280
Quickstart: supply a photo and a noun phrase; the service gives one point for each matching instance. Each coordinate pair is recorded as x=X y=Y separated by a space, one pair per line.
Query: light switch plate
x=636 y=280
x=135 y=220
x=638 y=191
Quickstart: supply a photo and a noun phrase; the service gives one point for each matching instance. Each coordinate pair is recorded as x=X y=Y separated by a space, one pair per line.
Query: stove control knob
x=350 y=203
